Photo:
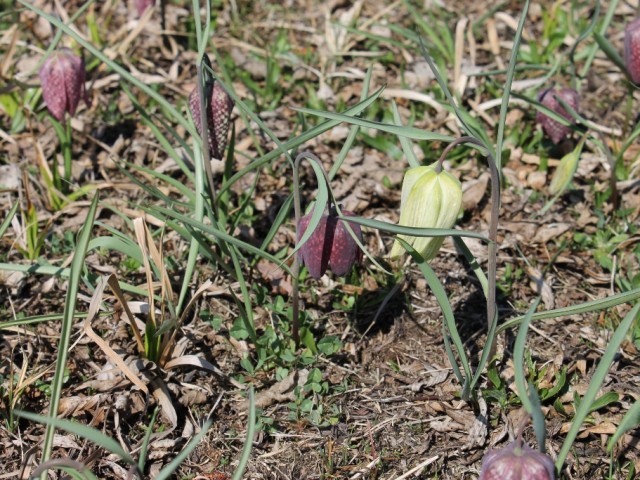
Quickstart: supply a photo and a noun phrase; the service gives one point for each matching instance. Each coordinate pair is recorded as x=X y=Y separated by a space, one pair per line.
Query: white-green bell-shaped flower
x=430 y=199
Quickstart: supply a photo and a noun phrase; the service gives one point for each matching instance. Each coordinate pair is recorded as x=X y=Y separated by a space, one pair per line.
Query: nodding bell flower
x=517 y=461
x=330 y=245
x=62 y=76
x=632 y=50
x=142 y=5
x=219 y=107
x=554 y=129
x=430 y=199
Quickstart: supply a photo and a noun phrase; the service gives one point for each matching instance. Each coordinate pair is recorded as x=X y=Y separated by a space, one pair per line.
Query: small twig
x=419 y=467
x=366 y=469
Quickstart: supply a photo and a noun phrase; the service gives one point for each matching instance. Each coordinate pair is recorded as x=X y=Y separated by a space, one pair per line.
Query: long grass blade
x=525 y=392
x=596 y=382
x=77 y=266
x=586 y=307
x=91 y=434
x=409 y=132
x=248 y=443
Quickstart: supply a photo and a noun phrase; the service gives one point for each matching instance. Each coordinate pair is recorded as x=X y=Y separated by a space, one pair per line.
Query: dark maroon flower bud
x=330 y=245
x=142 y=5
x=62 y=77
x=517 y=461
x=632 y=50
x=554 y=129
x=220 y=106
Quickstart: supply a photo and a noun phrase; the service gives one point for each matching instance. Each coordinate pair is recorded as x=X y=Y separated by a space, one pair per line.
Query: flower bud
x=632 y=50
x=330 y=245
x=555 y=130
x=62 y=76
x=565 y=170
x=219 y=107
x=430 y=199
x=517 y=461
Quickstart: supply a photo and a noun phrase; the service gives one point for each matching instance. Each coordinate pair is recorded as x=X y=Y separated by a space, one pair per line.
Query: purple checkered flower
x=219 y=110
x=330 y=245
x=554 y=129
x=517 y=461
x=62 y=77
x=632 y=50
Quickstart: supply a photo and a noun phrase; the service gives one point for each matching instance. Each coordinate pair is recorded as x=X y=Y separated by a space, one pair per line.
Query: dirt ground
x=390 y=408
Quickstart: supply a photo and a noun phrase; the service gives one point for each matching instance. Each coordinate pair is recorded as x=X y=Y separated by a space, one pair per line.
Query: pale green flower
x=430 y=199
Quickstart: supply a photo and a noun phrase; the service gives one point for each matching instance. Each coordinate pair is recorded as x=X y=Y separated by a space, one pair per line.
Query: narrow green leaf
x=407 y=145
x=596 y=382
x=507 y=85
x=410 y=132
x=7 y=221
x=83 y=431
x=248 y=443
x=586 y=307
x=298 y=140
x=77 y=265
x=441 y=296
x=414 y=231
x=610 y=51
x=167 y=471
x=525 y=392
x=630 y=421
x=353 y=131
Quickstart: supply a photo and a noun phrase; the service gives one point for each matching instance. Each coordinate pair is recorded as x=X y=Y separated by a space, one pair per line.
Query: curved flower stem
x=295 y=269
x=492 y=312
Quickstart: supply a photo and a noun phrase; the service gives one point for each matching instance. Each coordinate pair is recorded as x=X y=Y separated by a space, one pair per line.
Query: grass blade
x=91 y=434
x=248 y=443
x=67 y=324
x=596 y=382
x=526 y=392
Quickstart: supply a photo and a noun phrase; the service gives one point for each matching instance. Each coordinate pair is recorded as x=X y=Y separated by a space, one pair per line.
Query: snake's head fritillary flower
x=141 y=6
x=554 y=129
x=62 y=76
x=517 y=461
x=430 y=199
x=330 y=245
x=219 y=107
x=632 y=50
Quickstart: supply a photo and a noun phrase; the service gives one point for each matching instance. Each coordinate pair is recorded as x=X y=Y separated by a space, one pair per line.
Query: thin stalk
x=492 y=316
x=66 y=152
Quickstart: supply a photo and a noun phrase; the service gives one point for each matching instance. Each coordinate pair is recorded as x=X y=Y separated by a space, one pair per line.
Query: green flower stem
x=492 y=312
x=66 y=153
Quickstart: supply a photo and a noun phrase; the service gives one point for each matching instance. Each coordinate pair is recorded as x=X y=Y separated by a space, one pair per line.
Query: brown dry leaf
x=550 y=231
x=541 y=287
x=281 y=391
x=274 y=275
x=473 y=191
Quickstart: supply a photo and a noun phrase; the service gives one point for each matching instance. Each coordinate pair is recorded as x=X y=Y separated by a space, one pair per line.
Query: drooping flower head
x=330 y=245
x=62 y=76
x=517 y=461
x=555 y=130
x=632 y=50
x=219 y=110
x=430 y=199
x=142 y=5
